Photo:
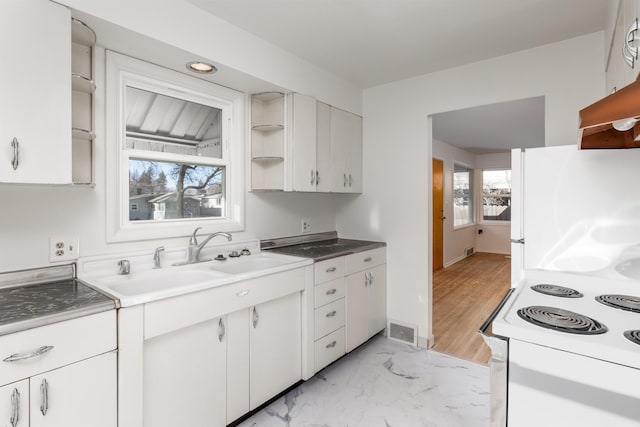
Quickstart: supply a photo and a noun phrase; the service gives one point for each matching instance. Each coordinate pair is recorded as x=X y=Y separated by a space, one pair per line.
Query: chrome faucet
x=193 y=253
x=156 y=257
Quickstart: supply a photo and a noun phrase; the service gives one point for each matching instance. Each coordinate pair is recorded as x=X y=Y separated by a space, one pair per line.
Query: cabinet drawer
x=329 y=292
x=328 y=318
x=364 y=260
x=328 y=269
x=71 y=341
x=329 y=349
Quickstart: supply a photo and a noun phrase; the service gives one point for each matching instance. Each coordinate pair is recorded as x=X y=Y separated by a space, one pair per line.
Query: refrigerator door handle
x=521 y=241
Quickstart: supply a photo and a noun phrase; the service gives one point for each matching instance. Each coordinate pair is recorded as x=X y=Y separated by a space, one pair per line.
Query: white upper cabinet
x=346 y=152
x=623 y=66
x=35 y=82
x=300 y=144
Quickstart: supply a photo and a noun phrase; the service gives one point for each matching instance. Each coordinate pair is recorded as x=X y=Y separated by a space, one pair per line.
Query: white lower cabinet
x=366 y=299
x=80 y=394
x=185 y=376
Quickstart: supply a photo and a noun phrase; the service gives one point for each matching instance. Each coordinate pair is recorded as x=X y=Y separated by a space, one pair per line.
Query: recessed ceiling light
x=201 y=67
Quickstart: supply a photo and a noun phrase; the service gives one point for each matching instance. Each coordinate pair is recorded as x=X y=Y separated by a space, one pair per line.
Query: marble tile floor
x=388 y=384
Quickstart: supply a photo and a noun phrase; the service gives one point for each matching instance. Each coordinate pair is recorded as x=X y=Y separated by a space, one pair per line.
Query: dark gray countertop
x=320 y=249
x=38 y=304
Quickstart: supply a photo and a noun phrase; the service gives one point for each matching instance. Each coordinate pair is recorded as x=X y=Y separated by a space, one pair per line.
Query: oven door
x=498 y=366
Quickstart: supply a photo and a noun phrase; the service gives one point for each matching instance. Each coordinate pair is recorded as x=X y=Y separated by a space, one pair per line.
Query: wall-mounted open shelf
x=267 y=141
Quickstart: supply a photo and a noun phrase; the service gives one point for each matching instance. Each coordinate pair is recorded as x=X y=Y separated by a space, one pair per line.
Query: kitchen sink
x=252 y=263
x=157 y=280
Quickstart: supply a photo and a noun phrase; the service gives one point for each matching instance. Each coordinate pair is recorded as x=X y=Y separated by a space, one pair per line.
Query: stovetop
x=585 y=308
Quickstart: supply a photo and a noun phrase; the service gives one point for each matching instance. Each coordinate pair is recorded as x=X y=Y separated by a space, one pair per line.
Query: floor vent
x=403 y=332
x=468 y=251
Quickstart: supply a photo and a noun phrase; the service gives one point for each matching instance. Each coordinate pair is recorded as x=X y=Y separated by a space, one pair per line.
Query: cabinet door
x=357 y=311
x=237 y=364
x=35 y=83
x=354 y=167
x=185 y=376
x=323 y=147
x=14 y=404
x=346 y=152
x=303 y=142
x=275 y=359
x=630 y=15
x=80 y=394
x=377 y=299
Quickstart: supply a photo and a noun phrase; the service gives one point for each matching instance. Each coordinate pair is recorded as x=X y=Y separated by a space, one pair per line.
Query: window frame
x=123 y=71
x=481 y=205
x=472 y=193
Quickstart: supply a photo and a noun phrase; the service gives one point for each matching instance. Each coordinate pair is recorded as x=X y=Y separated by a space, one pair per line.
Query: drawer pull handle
x=15 y=408
x=331 y=344
x=221 y=330
x=24 y=356
x=368 y=259
x=331 y=269
x=242 y=293
x=331 y=313
x=332 y=291
x=44 y=397
x=15 y=161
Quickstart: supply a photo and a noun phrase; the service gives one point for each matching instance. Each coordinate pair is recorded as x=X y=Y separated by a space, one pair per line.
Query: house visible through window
x=496 y=195
x=462 y=195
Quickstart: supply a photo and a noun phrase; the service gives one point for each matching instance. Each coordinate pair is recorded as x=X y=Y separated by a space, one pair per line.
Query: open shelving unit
x=267 y=141
x=83 y=39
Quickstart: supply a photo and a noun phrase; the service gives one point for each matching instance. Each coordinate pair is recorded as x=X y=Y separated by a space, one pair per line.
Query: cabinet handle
x=23 y=356
x=332 y=291
x=628 y=58
x=313 y=177
x=221 y=330
x=350 y=180
x=331 y=269
x=331 y=344
x=242 y=293
x=44 y=397
x=331 y=313
x=15 y=408
x=366 y=279
x=345 y=180
x=370 y=278
x=317 y=177
x=368 y=259
x=16 y=153
x=256 y=317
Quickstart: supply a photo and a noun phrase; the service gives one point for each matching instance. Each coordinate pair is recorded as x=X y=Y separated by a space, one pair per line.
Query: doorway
x=475 y=243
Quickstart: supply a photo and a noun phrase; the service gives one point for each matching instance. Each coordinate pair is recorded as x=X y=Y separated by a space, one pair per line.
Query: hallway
x=464 y=295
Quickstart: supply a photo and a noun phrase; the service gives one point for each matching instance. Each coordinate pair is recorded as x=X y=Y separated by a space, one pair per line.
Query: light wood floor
x=464 y=295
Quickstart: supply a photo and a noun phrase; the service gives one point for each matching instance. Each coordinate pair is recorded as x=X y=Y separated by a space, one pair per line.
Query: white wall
x=397 y=149
x=456 y=240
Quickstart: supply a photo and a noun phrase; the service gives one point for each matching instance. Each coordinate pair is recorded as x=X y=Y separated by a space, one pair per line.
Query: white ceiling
x=372 y=42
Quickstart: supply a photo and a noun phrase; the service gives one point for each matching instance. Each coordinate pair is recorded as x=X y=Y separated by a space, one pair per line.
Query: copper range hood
x=613 y=121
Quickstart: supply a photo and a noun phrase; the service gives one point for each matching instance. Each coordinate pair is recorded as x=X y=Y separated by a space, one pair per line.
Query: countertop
x=30 y=305
x=319 y=246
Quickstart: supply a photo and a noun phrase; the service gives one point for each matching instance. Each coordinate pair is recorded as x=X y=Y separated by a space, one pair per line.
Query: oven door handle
x=493 y=315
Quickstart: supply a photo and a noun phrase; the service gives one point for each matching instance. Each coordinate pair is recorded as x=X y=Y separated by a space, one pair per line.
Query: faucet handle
x=124 y=265
x=156 y=257
x=193 y=240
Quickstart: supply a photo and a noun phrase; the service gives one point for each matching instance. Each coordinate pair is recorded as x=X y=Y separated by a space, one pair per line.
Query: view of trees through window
x=462 y=195
x=496 y=195
x=164 y=190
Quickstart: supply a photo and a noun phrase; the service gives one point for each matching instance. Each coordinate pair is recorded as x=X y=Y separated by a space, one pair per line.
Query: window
x=462 y=195
x=496 y=195
x=174 y=150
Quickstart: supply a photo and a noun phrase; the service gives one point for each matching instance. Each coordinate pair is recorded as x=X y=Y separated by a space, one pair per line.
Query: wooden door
x=438 y=214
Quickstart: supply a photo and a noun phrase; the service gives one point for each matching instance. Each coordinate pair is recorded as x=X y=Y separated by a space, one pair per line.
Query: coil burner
x=561 y=320
x=556 y=291
x=623 y=302
x=633 y=336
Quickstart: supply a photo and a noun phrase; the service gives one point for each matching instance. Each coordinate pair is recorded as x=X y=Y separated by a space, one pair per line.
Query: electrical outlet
x=64 y=248
x=306 y=225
